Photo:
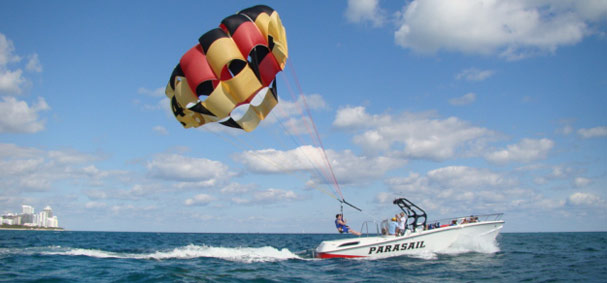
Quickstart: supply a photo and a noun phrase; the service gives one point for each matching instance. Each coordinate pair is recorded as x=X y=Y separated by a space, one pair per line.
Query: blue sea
x=69 y=256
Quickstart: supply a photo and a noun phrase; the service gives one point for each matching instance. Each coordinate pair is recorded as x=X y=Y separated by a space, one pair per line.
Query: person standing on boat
x=340 y=224
x=402 y=223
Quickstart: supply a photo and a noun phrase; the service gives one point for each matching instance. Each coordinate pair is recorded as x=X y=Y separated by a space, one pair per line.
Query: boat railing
x=364 y=229
x=439 y=223
x=463 y=219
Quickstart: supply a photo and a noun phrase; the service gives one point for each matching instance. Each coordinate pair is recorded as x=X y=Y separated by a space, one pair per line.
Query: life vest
x=340 y=227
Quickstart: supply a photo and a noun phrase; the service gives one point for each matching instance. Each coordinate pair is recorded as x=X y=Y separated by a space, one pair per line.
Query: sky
x=463 y=107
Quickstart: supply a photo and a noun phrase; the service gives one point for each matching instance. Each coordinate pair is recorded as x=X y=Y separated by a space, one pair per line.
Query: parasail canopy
x=229 y=67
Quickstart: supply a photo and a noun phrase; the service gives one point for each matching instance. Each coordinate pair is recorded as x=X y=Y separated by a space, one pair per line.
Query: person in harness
x=341 y=226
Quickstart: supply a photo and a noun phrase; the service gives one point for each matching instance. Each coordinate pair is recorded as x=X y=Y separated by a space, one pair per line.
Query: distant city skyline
x=29 y=218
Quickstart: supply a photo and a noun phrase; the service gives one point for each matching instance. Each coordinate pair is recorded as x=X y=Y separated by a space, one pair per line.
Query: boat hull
x=427 y=241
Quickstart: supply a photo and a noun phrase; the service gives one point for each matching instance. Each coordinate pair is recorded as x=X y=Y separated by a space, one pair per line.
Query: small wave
x=238 y=254
x=472 y=244
x=86 y=252
x=426 y=255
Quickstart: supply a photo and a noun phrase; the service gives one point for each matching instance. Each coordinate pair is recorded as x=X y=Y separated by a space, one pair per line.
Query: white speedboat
x=419 y=236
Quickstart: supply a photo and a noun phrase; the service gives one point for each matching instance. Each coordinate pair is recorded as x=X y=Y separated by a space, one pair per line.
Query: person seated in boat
x=392 y=229
x=397 y=232
x=340 y=224
x=469 y=220
x=454 y=222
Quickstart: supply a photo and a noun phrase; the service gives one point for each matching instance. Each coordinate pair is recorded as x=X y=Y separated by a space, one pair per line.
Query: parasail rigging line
x=298 y=140
x=315 y=132
x=245 y=146
x=306 y=121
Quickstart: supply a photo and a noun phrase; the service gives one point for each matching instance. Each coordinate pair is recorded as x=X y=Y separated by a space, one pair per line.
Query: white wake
x=237 y=254
x=472 y=244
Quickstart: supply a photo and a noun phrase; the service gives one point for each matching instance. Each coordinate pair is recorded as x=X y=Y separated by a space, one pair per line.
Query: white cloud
x=131 y=210
x=357 y=117
x=365 y=11
x=560 y=172
x=463 y=100
x=12 y=151
x=525 y=151
x=286 y=108
x=555 y=172
x=412 y=135
x=579 y=182
x=565 y=130
x=239 y=200
x=70 y=156
x=33 y=64
x=96 y=194
x=267 y=196
x=90 y=174
x=20 y=166
x=410 y=184
x=189 y=185
x=585 y=199
x=11 y=81
x=18 y=117
x=163 y=104
x=274 y=195
x=200 y=199
x=159 y=92
x=35 y=182
x=236 y=188
x=350 y=168
x=513 y=29
x=313 y=101
x=160 y=130
x=593 y=132
x=549 y=204
x=303 y=158
x=138 y=190
x=593 y=10
x=25 y=169
x=182 y=168
x=347 y=167
x=299 y=126
x=94 y=172
x=95 y=205
x=7 y=50
x=467 y=177
x=456 y=188
x=385 y=198
x=474 y=74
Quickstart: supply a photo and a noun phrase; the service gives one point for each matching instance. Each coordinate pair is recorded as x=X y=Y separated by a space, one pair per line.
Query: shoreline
x=24 y=228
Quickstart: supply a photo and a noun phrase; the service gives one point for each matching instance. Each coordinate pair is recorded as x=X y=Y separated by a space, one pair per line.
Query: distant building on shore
x=29 y=218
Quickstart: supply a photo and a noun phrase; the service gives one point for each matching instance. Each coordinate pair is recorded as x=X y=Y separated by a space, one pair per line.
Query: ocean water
x=69 y=256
